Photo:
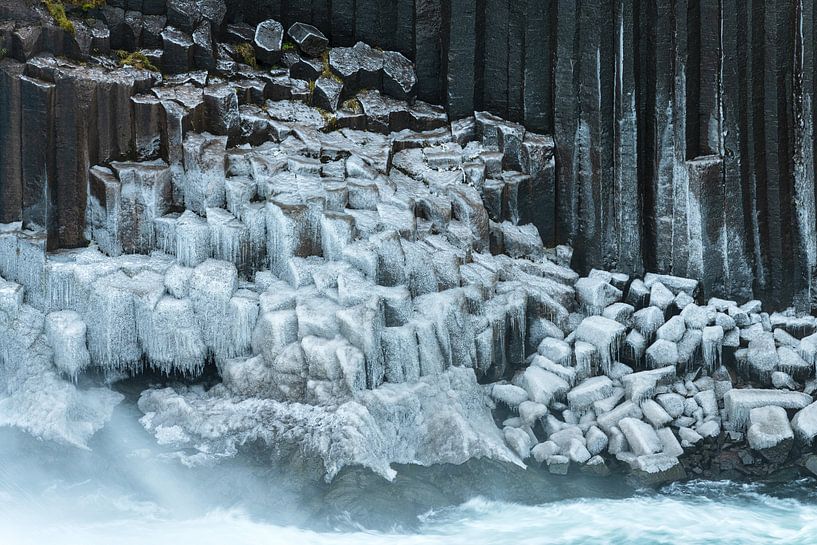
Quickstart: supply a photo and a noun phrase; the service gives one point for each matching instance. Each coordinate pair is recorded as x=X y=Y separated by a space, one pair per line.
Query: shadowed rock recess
x=538 y=232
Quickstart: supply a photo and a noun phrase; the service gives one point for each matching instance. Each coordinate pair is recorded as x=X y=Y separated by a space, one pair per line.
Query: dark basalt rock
x=399 y=79
x=221 y=110
x=268 y=41
x=327 y=93
x=370 y=66
x=101 y=37
x=183 y=14
x=132 y=31
x=203 y=51
x=154 y=7
x=178 y=51
x=152 y=26
x=147 y=119
x=239 y=32
x=309 y=39
x=306 y=68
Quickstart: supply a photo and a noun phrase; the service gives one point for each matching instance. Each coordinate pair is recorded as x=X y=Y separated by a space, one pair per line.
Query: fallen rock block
x=770 y=433
x=739 y=402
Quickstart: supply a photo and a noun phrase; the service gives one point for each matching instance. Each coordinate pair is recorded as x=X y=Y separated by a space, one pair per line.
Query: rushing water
x=124 y=491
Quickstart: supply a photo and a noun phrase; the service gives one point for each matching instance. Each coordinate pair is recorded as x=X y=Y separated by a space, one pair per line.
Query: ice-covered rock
x=673 y=329
x=595 y=294
x=592 y=389
x=655 y=414
x=662 y=353
x=640 y=436
x=610 y=419
x=605 y=335
x=654 y=469
x=804 y=424
x=66 y=334
x=543 y=386
x=770 y=433
x=739 y=402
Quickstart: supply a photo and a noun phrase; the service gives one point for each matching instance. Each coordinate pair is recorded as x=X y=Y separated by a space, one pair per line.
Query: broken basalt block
x=268 y=41
x=739 y=402
x=66 y=333
x=605 y=335
x=178 y=51
x=399 y=79
x=309 y=39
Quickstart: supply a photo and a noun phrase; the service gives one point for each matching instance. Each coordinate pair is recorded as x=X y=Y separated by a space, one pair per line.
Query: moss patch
x=247 y=53
x=3 y=53
x=352 y=105
x=327 y=70
x=330 y=119
x=57 y=11
x=137 y=59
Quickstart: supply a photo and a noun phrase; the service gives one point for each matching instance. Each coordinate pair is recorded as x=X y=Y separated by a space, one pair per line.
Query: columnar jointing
x=650 y=105
x=683 y=129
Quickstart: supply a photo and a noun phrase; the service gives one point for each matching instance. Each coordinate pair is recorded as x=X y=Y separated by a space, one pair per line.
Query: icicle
x=712 y=347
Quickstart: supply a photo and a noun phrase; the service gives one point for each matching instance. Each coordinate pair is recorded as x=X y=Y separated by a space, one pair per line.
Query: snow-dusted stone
x=672 y=403
x=655 y=414
x=609 y=403
x=11 y=297
x=783 y=381
x=740 y=401
x=669 y=443
x=605 y=335
x=712 y=342
x=752 y=307
x=770 y=433
x=577 y=452
x=641 y=436
x=556 y=350
x=617 y=443
x=695 y=317
x=544 y=450
x=707 y=401
x=568 y=374
x=594 y=294
x=620 y=312
x=539 y=329
x=66 y=332
x=564 y=436
x=807 y=349
x=647 y=320
x=654 y=469
x=543 y=386
x=519 y=441
x=689 y=436
x=638 y=294
x=660 y=296
x=709 y=429
x=531 y=412
x=609 y=420
x=804 y=425
x=761 y=359
x=592 y=389
x=683 y=300
x=726 y=322
x=662 y=353
x=643 y=385
x=634 y=348
x=177 y=281
x=596 y=440
x=586 y=356
x=512 y=396
x=558 y=464
x=674 y=283
x=673 y=329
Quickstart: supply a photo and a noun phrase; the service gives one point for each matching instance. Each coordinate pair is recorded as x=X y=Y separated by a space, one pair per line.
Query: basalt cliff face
x=499 y=236
x=683 y=130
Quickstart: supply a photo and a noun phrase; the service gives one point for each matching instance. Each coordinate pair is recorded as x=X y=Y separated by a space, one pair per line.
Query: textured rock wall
x=684 y=129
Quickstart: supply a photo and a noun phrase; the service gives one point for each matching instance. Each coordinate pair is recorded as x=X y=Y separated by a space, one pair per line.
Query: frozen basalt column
x=102 y=211
x=738 y=402
x=204 y=161
x=212 y=284
x=229 y=238
x=291 y=232
x=145 y=195
x=192 y=239
x=712 y=347
x=111 y=324
x=606 y=335
x=363 y=326
x=66 y=331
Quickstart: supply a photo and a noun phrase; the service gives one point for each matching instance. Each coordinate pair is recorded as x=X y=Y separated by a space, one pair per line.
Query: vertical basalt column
x=737 y=279
x=774 y=57
x=627 y=204
x=11 y=175
x=428 y=20
x=593 y=144
x=75 y=119
x=566 y=112
x=705 y=220
x=540 y=20
x=678 y=181
x=496 y=36
x=367 y=21
x=38 y=168
x=322 y=15
x=517 y=12
x=404 y=28
x=461 y=48
x=343 y=22
x=804 y=186
x=703 y=78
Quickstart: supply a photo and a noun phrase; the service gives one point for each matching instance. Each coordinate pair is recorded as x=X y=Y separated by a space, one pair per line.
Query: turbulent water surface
x=126 y=492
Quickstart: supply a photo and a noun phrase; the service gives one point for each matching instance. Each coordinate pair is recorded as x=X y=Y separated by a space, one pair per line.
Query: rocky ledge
x=366 y=279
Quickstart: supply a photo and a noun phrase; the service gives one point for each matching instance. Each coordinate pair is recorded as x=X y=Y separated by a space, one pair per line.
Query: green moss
x=247 y=54
x=352 y=105
x=330 y=119
x=57 y=11
x=137 y=59
x=3 y=53
x=327 y=70
x=288 y=46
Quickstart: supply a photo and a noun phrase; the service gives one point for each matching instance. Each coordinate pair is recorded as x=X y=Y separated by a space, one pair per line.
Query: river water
x=125 y=490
